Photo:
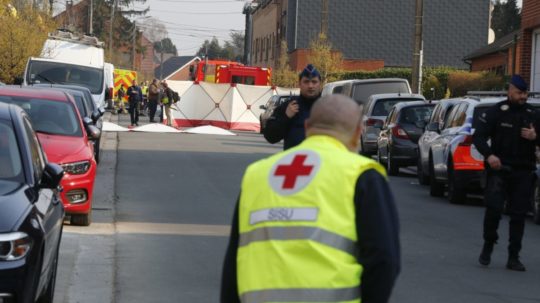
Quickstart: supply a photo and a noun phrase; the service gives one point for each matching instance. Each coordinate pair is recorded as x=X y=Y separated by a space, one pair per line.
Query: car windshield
x=11 y=168
x=416 y=114
x=50 y=117
x=362 y=91
x=62 y=73
x=382 y=107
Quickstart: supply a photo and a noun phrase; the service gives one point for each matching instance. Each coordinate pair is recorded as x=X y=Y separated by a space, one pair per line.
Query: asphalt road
x=162 y=213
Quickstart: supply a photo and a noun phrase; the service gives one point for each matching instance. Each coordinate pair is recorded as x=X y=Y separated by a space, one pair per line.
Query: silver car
x=374 y=114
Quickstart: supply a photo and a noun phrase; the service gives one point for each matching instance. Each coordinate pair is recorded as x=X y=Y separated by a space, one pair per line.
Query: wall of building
x=384 y=30
x=263 y=47
x=181 y=75
x=530 y=21
x=298 y=60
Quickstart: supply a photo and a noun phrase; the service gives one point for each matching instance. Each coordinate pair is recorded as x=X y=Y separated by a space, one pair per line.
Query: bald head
x=337 y=116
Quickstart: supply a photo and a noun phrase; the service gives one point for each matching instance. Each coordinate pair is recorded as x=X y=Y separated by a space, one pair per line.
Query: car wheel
x=423 y=178
x=456 y=192
x=436 y=188
x=363 y=148
x=391 y=166
x=536 y=205
x=81 y=220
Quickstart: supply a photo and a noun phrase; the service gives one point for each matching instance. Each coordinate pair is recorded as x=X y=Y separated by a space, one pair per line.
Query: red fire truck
x=219 y=71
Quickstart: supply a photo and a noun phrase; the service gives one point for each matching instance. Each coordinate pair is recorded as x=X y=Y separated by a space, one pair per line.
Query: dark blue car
x=31 y=213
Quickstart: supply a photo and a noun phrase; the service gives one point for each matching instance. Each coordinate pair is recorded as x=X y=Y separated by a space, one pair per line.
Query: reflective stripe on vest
x=297 y=225
x=298 y=233
x=302 y=295
x=165 y=100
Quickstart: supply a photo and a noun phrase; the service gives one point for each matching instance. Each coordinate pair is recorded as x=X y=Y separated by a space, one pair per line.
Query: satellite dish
x=491 y=36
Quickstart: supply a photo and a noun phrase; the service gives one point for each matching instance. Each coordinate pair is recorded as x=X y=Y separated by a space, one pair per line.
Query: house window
x=273 y=45
x=267 y=48
x=535 y=61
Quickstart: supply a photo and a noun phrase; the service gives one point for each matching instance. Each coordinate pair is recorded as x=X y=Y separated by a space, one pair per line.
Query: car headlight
x=14 y=246
x=76 y=168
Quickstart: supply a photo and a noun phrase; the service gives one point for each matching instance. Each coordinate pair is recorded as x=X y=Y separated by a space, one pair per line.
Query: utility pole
x=161 y=60
x=134 y=39
x=90 y=27
x=113 y=9
x=418 y=48
x=324 y=17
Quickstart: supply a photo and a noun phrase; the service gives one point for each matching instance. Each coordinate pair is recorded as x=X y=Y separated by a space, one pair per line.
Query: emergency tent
x=235 y=107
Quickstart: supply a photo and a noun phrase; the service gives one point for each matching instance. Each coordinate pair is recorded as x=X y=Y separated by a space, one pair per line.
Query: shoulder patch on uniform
x=505 y=107
x=294 y=172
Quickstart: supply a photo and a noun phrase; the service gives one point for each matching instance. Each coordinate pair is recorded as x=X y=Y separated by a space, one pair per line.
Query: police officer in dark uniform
x=287 y=120
x=512 y=126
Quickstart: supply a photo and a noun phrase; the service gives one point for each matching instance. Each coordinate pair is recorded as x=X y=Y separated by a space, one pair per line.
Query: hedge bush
x=441 y=79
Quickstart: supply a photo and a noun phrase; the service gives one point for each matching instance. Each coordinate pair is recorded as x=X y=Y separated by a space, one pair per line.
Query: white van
x=70 y=59
x=109 y=84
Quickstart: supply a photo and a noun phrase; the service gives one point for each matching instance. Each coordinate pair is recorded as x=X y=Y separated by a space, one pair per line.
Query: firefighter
x=287 y=120
x=316 y=222
x=510 y=159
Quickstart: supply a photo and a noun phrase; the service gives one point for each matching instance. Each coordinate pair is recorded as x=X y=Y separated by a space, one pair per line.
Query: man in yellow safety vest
x=317 y=222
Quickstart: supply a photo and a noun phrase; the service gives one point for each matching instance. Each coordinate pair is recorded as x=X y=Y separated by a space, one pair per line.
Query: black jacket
x=291 y=130
x=377 y=227
x=502 y=124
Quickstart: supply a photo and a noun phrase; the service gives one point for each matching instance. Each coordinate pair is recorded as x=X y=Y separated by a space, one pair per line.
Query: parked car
x=31 y=214
x=360 y=90
x=86 y=107
x=436 y=122
x=454 y=162
x=333 y=88
x=375 y=112
x=398 y=141
x=66 y=140
x=269 y=107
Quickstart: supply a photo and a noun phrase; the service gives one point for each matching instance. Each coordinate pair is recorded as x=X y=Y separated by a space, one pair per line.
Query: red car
x=66 y=139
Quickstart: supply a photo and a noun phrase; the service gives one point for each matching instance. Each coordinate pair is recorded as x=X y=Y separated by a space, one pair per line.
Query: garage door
x=535 y=83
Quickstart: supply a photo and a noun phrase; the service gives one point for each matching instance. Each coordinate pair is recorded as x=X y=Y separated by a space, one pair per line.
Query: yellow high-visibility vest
x=297 y=225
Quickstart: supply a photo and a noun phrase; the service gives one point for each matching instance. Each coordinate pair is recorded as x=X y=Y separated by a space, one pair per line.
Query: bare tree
x=153 y=29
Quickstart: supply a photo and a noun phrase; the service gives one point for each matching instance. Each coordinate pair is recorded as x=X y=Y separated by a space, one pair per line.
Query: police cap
x=519 y=83
x=309 y=72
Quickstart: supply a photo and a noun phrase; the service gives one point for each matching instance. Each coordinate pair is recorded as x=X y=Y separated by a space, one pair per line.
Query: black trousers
x=152 y=108
x=134 y=112
x=515 y=189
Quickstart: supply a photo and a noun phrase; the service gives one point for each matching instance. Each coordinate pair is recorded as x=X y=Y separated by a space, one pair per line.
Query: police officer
x=316 y=222
x=134 y=94
x=511 y=125
x=287 y=120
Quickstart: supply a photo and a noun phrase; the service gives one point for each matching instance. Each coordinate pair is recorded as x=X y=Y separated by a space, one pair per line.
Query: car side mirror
x=52 y=175
x=93 y=132
x=433 y=127
x=88 y=121
x=262 y=107
x=95 y=116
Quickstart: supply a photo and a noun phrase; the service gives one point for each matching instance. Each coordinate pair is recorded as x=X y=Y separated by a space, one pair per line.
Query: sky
x=190 y=22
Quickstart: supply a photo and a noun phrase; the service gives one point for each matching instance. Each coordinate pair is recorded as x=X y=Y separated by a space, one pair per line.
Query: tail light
x=372 y=122
x=467 y=141
x=399 y=132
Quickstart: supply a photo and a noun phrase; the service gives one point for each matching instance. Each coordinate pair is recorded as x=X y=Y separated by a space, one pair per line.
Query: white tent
x=235 y=107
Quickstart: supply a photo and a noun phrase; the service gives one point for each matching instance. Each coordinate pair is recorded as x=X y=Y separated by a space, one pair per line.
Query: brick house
x=370 y=33
x=530 y=43
x=502 y=56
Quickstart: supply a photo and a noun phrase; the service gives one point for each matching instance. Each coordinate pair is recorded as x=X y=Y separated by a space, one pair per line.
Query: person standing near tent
x=153 y=99
x=166 y=100
x=134 y=94
x=144 y=103
x=120 y=100
x=315 y=223
x=287 y=120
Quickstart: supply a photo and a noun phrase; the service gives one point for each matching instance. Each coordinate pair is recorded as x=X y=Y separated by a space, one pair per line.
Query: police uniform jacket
x=290 y=130
x=502 y=125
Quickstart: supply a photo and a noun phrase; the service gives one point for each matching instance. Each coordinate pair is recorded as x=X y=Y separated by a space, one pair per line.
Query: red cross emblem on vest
x=294 y=171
